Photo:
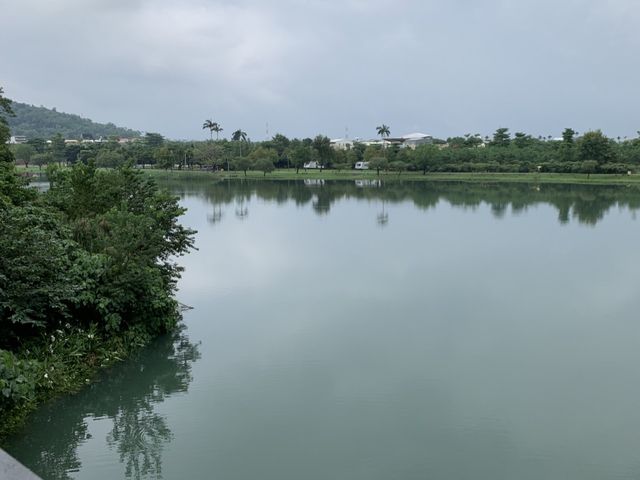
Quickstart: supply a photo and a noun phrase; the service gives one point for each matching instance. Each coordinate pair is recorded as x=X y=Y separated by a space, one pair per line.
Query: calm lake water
x=361 y=332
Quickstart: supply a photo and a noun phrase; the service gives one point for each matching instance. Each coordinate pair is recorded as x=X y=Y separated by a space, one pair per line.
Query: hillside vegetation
x=87 y=274
x=41 y=122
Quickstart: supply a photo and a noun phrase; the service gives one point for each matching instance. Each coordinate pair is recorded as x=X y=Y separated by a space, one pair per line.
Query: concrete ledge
x=10 y=469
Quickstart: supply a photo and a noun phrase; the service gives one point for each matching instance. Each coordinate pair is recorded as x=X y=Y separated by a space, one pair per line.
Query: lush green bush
x=17 y=379
x=128 y=234
x=87 y=272
x=36 y=284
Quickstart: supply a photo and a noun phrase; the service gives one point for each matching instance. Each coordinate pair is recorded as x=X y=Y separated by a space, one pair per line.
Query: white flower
x=46 y=375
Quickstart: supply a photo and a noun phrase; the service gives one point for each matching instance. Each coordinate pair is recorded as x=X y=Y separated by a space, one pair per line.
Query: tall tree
x=424 y=157
x=58 y=148
x=322 y=146
x=383 y=130
x=239 y=136
x=23 y=153
x=5 y=133
x=209 y=154
x=38 y=144
x=165 y=158
x=378 y=163
x=265 y=165
x=567 y=148
x=41 y=159
x=262 y=152
x=153 y=140
x=242 y=163
x=567 y=135
x=5 y=105
x=217 y=128
x=212 y=127
x=522 y=140
x=501 y=138
x=299 y=156
x=595 y=146
x=280 y=143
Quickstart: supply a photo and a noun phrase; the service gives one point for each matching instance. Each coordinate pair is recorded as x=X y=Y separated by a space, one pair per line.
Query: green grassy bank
x=290 y=174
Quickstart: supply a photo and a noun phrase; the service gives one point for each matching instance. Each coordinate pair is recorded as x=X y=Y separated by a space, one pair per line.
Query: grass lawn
x=290 y=174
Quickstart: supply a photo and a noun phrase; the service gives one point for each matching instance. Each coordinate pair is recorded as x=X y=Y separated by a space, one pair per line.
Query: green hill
x=41 y=122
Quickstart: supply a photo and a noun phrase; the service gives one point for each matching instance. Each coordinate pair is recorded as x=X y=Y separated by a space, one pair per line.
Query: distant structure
x=411 y=140
x=341 y=143
x=18 y=139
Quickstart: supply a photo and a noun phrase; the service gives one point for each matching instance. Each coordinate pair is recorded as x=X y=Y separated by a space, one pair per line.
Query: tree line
x=592 y=152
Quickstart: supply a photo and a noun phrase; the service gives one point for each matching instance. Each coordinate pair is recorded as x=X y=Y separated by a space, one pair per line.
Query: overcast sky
x=321 y=66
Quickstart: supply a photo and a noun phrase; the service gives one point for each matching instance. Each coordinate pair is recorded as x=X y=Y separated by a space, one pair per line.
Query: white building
x=341 y=143
x=412 y=140
x=17 y=139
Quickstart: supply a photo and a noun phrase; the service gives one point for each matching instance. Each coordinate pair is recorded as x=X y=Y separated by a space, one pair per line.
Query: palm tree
x=383 y=130
x=211 y=125
x=239 y=136
x=217 y=128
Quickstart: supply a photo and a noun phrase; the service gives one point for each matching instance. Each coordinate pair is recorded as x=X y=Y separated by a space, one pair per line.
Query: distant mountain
x=41 y=122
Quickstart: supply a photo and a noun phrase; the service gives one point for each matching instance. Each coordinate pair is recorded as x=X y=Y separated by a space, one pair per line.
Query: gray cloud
x=319 y=66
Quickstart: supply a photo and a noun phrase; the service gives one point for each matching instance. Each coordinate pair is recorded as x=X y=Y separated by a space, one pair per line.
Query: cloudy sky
x=321 y=66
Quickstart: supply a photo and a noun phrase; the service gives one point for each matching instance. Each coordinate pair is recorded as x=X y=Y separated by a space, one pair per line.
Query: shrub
x=17 y=379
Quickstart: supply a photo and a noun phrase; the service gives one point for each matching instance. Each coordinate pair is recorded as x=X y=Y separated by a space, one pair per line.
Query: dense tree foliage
x=5 y=110
x=591 y=152
x=41 y=122
x=95 y=253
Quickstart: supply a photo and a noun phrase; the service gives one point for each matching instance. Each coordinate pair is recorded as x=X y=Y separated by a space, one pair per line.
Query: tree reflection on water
x=127 y=395
x=587 y=204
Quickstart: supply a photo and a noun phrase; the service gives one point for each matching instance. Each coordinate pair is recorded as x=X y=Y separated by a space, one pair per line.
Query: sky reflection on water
x=478 y=332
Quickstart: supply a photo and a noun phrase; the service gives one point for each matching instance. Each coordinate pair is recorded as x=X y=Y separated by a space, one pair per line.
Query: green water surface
x=361 y=331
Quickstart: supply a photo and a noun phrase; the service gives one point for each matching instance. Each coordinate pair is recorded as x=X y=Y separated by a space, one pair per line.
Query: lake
x=359 y=330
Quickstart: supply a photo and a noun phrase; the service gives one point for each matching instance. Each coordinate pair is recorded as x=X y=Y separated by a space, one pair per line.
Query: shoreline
x=289 y=174
x=71 y=368
x=350 y=175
